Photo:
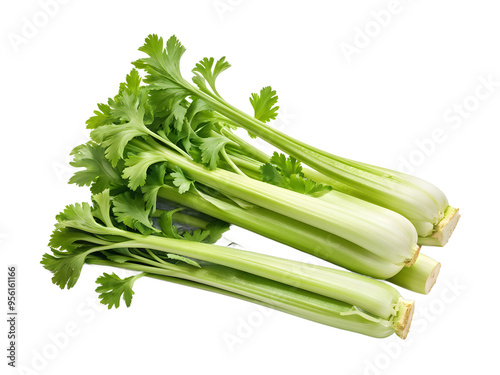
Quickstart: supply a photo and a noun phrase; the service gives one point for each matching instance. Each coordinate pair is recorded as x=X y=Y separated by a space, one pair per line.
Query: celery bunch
x=419 y=201
x=110 y=233
x=168 y=176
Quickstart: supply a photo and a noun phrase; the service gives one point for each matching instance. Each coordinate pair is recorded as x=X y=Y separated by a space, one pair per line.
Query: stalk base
x=415 y=256
x=431 y=280
x=444 y=229
x=420 y=277
x=402 y=320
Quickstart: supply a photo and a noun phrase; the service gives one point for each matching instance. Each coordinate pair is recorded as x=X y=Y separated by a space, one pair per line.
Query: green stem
x=420 y=277
x=308 y=239
x=272 y=294
x=370 y=295
x=157 y=262
x=390 y=236
x=392 y=192
x=246 y=147
x=231 y=163
x=169 y=144
x=185 y=219
x=288 y=231
x=157 y=258
x=429 y=234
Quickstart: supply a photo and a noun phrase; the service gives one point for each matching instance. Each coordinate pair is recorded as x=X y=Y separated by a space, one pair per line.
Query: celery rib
x=282 y=297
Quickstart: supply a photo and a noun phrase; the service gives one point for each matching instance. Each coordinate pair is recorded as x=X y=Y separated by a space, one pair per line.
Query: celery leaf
x=132 y=212
x=154 y=181
x=181 y=181
x=205 y=71
x=264 y=104
x=210 y=150
x=97 y=172
x=112 y=288
x=287 y=173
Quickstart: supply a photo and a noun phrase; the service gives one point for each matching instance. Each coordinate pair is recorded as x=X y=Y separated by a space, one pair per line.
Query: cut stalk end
x=443 y=230
x=420 y=277
x=412 y=261
x=403 y=318
x=431 y=280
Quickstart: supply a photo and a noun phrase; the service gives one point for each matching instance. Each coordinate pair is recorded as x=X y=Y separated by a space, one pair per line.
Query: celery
x=289 y=232
x=138 y=132
x=419 y=201
x=420 y=277
x=282 y=297
x=87 y=233
x=378 y=230
x=141 y=146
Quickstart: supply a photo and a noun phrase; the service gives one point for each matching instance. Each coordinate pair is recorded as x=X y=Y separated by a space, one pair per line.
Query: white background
x=377 y=105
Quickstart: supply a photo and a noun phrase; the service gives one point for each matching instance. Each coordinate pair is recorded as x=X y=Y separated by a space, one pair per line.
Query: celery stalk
x=290 y=232
x=370 y=295
x=432 y=232
x=344 y=216
x=413 y=198
x=83 y=230
x=279 y=296
x=420 y=277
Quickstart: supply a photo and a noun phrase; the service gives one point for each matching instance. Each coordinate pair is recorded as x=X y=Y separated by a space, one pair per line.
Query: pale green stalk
x=272 y=294
x=346 y=218
x=288 y=231
x=420 y=277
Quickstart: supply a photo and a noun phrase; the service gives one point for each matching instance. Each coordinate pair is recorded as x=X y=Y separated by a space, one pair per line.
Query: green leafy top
x=211 y=149
x=81 y=229
x=98 y=171
x=264 y=104
x=101 y=117
x=106 y=229
x=181 y=181
x=287 y=173
x=111 y=289
x=163 y=65
x=66 y=266
x=130 y=131
x=131 y=210
x=155 y=180
x=136 y=167
x=205 y=72
x=128 y=116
